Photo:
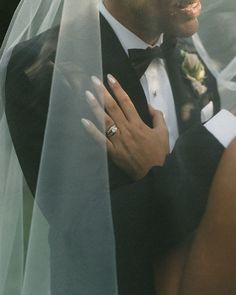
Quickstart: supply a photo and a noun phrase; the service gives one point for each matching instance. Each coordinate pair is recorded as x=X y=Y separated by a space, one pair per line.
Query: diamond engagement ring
x=111 y=131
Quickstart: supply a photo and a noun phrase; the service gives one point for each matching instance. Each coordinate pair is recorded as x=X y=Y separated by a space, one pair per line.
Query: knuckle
x=125 y=98
x=139 y=125
x=108 y=122
x=127 y=137
x=96 y=107
x=111 y=106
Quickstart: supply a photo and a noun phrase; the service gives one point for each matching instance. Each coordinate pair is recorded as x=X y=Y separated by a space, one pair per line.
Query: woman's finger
x=157 y=117
x=98 y=111
x=101 y=115
x=111 y=106
x=123 y=99
x=97 y=135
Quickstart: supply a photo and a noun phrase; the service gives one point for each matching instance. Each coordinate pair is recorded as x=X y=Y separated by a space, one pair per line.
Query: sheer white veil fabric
x=71 y=247
x=216 y=43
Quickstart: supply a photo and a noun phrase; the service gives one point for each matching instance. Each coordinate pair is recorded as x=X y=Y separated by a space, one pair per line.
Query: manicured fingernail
x=111 y=79
x=85 y=122
x=96 y=81
x=90 y=96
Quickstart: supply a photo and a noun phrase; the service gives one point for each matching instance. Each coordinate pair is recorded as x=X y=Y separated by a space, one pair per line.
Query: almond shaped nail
x=111 y=79
x=96 y=81
x=90 y=97
x=85 y=122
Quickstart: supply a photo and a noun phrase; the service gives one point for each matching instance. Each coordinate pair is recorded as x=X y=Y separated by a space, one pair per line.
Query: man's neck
x=132 y=22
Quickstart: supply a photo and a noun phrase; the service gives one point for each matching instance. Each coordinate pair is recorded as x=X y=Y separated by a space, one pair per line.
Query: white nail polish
x=85 y=122
x=111 y=79
x=90 y=96
x=96 y=81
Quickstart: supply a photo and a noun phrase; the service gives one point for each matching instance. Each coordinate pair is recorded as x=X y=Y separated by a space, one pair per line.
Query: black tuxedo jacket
x=154 y=214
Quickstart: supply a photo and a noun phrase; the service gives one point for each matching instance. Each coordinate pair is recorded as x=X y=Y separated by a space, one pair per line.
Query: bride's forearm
x=211 y=265
x=207 y=264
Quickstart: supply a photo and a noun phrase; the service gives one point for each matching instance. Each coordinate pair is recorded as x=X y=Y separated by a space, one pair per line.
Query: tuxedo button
x=155 y=93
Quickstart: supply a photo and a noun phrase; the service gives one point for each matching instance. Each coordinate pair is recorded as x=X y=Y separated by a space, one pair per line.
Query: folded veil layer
x=216 y=43
x=54 y=45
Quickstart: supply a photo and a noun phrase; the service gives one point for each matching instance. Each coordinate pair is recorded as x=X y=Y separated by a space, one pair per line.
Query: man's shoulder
x=27 y=91
x=32 y=55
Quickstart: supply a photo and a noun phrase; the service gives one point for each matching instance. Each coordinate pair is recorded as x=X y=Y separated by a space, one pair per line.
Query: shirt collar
x=127 y=38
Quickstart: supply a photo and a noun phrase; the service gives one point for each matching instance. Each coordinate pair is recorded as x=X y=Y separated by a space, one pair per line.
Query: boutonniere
x=194 y=71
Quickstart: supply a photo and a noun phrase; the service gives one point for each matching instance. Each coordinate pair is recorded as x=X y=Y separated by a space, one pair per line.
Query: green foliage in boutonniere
x=194 y=71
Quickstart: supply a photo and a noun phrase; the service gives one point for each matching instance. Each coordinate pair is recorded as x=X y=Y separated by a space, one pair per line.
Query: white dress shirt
x=157 y=88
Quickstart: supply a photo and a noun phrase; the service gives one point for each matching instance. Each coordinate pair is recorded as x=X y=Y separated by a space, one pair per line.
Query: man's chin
x=186 y=29
x=182 y=29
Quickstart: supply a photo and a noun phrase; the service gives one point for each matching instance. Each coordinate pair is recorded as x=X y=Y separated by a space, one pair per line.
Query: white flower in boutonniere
x=194 y=71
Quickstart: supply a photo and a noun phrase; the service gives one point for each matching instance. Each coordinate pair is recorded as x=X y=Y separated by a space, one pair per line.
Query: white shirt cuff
x=223 y=127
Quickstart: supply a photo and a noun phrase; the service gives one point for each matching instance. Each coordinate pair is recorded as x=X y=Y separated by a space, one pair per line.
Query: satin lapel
x=116 y=62
x=186 y=100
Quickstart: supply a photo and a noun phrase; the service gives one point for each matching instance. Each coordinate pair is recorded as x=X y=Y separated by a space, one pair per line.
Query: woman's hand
x=132 y=145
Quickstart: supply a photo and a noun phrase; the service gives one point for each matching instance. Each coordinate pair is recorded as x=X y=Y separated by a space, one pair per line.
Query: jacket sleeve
x=158 y=212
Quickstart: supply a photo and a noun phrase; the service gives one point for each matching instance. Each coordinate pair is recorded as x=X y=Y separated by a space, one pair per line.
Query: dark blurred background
x=7 y=8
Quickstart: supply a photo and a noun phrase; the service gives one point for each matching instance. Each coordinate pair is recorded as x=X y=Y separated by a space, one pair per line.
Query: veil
x=216 y=43
x=71 y=247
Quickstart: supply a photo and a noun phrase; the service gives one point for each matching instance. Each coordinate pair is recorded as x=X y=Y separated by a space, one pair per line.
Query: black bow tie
x=141 y=58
